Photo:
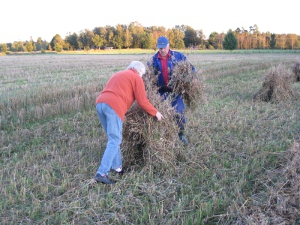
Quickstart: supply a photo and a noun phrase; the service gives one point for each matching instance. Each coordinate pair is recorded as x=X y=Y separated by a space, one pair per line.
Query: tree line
x=135 y=35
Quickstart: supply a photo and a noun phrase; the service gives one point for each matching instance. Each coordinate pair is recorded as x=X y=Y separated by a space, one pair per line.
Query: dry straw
x=277 y=86
x=184 y=81
x=147 y=141
x=279 y=203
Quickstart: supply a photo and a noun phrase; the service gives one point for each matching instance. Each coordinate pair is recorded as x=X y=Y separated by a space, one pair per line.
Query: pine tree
x=230 y=42
x=273 y=41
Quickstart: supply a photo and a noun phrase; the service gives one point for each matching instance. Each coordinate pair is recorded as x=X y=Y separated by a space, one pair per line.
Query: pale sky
x=22 y=19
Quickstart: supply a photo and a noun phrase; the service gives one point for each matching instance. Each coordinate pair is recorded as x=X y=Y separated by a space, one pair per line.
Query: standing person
x=163 y=63
x=122 y=89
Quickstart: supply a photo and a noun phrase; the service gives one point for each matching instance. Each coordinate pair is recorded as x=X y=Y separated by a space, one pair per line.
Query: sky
x=21 y=20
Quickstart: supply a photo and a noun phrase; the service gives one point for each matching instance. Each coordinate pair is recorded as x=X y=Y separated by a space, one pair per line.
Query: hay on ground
x=279 y=203
x=147 y=141
x=276 y=86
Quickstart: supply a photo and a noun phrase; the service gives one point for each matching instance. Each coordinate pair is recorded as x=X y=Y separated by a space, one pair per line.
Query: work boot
x=103 y=179
x=183 y=138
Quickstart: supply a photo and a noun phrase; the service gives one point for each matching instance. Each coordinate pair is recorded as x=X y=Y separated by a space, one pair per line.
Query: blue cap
x=162 y=42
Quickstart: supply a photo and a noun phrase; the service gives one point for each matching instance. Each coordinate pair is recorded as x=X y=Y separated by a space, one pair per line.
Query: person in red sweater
x=121 y=90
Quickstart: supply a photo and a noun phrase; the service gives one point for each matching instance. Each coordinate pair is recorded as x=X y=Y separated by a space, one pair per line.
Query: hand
x=159 y=116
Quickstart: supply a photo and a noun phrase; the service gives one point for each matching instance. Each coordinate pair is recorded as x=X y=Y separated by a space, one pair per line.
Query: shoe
x=120 y=172
x=183 y=138
x=103 y=179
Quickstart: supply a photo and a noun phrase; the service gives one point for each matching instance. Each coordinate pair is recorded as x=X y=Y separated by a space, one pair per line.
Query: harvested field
x=241 y=165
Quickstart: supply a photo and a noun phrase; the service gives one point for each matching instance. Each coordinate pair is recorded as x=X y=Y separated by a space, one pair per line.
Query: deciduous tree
x=29 y=46
x=3 y=48
x=57 y=40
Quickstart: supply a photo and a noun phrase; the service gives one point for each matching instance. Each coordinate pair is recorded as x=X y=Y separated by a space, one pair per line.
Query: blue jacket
x=163 y=90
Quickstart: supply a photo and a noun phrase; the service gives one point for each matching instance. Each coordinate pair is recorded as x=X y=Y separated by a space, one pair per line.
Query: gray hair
x=138 y=66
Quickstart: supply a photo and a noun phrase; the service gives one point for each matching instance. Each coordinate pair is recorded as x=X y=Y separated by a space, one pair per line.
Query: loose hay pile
x=277 y=86
x=147 y=141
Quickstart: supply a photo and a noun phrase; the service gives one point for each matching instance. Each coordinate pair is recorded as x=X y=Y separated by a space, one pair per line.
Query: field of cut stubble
x=241 y=166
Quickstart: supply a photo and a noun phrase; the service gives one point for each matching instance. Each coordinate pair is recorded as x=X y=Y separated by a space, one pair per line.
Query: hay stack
x=147 y=141
x=184 y=81
x=296 y=70
x=276 y=86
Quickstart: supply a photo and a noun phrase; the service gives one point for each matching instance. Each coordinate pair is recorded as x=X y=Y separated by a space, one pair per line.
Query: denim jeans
x=178 y=104
x=112 y=125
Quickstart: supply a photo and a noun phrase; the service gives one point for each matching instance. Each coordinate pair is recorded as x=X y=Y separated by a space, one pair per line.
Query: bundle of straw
x=185 y=81
x=276 y=86
x=148 y=141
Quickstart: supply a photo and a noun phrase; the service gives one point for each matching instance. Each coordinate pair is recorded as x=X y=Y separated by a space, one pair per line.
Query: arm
x=142 y=100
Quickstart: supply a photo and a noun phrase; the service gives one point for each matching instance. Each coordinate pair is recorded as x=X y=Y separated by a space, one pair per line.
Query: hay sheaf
x=186 y=82
x=277 y=86
x=147 y=141
x=280 y=202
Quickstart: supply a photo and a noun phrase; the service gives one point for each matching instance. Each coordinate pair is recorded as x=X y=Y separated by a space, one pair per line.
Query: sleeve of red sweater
x=141 y=97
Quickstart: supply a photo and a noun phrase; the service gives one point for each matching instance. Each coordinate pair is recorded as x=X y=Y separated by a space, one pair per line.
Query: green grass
x=51 y=143
x=186 y=51
x=139 y=51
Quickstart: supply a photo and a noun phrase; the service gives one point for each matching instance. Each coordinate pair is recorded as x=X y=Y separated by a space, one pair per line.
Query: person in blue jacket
x=163 y=63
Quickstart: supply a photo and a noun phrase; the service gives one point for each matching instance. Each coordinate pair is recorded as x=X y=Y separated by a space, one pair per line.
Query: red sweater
x=122 y=89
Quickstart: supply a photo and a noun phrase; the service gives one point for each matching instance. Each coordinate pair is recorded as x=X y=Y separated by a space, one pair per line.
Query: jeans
x=178 y=104
x=112 y=125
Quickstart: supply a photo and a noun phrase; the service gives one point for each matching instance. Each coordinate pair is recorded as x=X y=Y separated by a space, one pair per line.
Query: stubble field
x=241 y=166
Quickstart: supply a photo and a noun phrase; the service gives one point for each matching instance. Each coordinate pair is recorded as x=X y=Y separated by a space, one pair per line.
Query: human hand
x=159 y=116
